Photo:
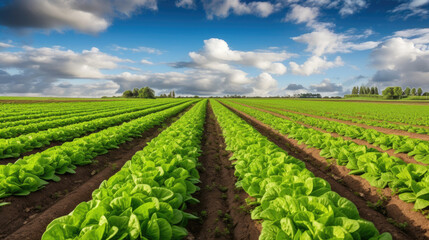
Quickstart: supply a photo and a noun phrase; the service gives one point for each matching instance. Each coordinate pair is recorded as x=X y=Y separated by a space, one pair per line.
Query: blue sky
x=91 y=48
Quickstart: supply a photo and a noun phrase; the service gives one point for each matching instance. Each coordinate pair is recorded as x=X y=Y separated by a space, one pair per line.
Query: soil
x=391 y=152
x=27 y=217
x=390 y=210
x=380 y=129
x=222 y=209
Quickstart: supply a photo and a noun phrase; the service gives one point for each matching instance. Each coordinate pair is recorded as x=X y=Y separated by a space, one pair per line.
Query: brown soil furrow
x=27 y=217
x=222 y=210
x=391 y=152
x=380 y=129
x=352 y=187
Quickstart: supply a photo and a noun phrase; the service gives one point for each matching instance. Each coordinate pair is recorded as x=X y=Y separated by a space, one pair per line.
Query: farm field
x=228 y=168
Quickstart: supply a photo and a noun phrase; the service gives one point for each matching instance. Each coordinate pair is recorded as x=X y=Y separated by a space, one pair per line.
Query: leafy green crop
x=146 y=199
x=379 y=169
x=411 y=118
x=13 y=147
x=414 y=147
x=293 y=203
x=50 y=124
x=31 y=173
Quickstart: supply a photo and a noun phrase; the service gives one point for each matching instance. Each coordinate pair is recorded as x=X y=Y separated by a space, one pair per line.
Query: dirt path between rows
x=380 y=129
x=222 y=208
x=391 y=152
x=352 y=187
x=27 y=217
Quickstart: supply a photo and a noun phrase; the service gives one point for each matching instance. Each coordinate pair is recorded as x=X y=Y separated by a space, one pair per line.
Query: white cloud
x=185 y=3
x=346 y=7
x=325 y=41
x=350 y=7
x=300 y=14
x=138 y=49
x=61 y=63
x=216 y=55
x=37 y=70
x=144 y=61
x=402 y=61
x=215 y=70
x=5 y=45
x=314 y=65
x=412 y=8
x=82 y=15
x=223 y=8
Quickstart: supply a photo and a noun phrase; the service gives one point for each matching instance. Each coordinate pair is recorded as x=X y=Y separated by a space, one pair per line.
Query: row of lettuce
x=410 y=181
x=411 y=118
x=62 y=114
x=292 y=202
x=16 y=131
x=14 y=147
x=401 y=144
x=17 y=112
x=146 y=199
x=32 y=172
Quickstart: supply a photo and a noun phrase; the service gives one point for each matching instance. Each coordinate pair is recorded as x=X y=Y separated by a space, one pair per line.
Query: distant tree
x=174 y=94
x=355 y=90
x=413 y=92
x=398 y=92
x=361 y=90
x=372 y=91
x=419 y=92
x=127 y=94
x=148 y=93
x=135 y=92
x=388 y=93
x=376 y=91
x=141 y=93
x=407 y=92
x=426 y=94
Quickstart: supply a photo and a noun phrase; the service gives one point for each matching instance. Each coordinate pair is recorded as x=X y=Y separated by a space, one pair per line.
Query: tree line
x=398 y=93
x=362 y=90
x=145 y=92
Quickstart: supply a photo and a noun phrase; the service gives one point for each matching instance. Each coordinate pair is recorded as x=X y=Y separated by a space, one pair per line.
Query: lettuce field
x=229 y=168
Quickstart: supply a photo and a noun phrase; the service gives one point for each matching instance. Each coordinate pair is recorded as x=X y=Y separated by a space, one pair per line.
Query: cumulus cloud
x=217 y=55
x=223 y=8
x=326 y=86
x=315 y=65
x=60 y=63
x=402 y=61
x=215 y=70
x=82 y=15
x=300 y=14
x=325 y=41
x=38 y=69
x=294 y=87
